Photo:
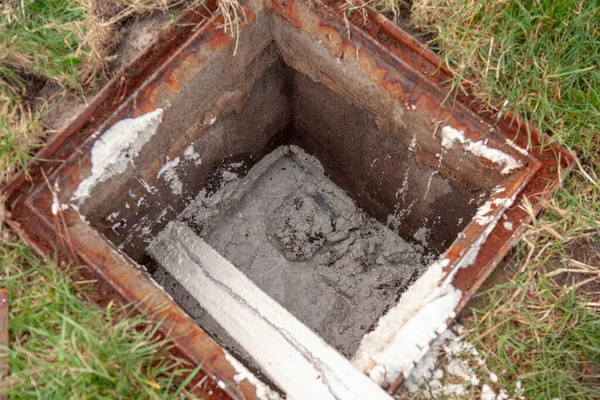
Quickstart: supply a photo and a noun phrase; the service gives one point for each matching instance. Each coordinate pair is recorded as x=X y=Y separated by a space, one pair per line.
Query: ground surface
x=536 y=328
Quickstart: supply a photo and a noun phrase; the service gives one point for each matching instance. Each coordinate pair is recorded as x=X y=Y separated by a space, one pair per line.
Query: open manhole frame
x=31 y=200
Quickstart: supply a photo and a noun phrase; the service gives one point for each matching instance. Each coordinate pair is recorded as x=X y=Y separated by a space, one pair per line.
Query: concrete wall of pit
x=282 y=88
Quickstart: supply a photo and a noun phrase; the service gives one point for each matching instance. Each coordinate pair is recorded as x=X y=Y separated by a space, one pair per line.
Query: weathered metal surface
x=394 y=60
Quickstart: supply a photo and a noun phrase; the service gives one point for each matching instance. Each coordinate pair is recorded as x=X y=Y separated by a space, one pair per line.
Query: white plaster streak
x=507 y=225
x=403 y=335
x=428 y=185
x=440 y=157
x=485 y=214
x=517 y=147
x=472 y=252
x=56 y=205
x=112 y=216
x=263 y=392
x=169 y=173
x=190 y=154
x=479 y=148
x=297 y=360
x=404 y=189
x=115 y=150
x=146 y=186
x=413 y=143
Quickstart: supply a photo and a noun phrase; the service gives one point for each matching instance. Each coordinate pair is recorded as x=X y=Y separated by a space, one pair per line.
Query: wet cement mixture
x=303 y=241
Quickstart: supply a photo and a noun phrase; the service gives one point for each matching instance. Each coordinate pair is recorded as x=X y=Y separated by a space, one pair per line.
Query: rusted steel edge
x=391 y=56
x=552 y=158
x=169 y=315
x=434 y=70
x=458 y=250
x=4 y=315
x=512 y=184
x=126 y=82
x=500 y=240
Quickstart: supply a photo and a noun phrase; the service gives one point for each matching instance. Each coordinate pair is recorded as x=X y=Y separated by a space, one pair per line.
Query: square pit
x=327 y=193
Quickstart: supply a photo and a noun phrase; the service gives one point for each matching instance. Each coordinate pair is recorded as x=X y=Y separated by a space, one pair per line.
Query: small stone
x=487 y=393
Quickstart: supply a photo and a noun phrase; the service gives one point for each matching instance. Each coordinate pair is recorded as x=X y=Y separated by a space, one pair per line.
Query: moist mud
x=303 y=241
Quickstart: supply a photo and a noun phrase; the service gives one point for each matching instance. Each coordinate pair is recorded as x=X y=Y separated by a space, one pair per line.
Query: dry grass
x=67 y=41
x=19 y=134
x=61 y=40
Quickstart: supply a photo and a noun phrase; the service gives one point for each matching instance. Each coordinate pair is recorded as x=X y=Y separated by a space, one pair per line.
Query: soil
x=58 y=106
x=138 y=35
x=587 y=253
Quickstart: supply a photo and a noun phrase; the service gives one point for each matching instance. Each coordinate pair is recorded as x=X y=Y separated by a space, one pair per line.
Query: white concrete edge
x=404 y=334
x=294 y=357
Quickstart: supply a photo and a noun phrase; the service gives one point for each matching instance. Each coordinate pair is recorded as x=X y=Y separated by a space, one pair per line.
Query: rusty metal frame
x=29 y=198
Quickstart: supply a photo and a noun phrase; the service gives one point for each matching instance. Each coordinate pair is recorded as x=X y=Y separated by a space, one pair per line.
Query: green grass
x=18 y=136
x=545 y=337
x=65 y=41
x=64 y=347
x=49 y=38
x=542 y=56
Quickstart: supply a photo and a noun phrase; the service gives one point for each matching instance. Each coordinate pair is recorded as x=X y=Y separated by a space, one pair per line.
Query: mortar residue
x=302 y=240
x=480 y=149
x=454 y=369
x=116 y=150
